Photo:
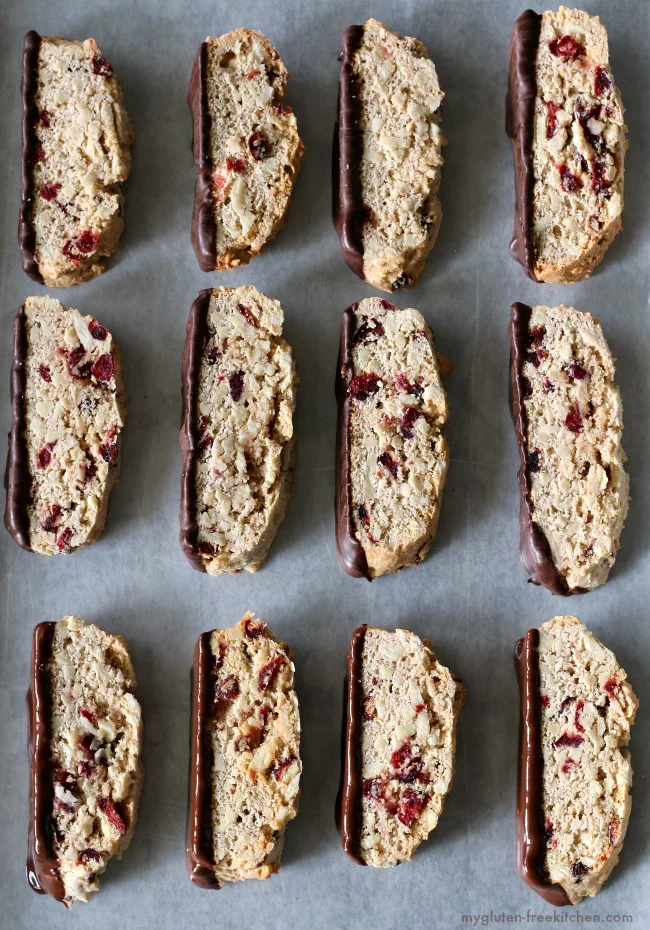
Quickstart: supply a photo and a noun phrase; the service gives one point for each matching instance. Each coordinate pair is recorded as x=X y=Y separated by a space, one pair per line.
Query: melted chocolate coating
x=198 y=844
x=42 y=864
x=348 y=803
x=352 y=556
x=29 y=84
x=188 y=437
x=520 y=109
x=531 y=840
x=17 y=472
x=347 y=205
x=533 y=544
x=204 y=229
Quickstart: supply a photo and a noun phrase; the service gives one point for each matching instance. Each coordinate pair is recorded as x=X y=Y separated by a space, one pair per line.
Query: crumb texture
x=254 y=740
x=246 y=399
x=95 y=742
x=578 y=485
x=402 y=155
x=579 y=147
x=588 y=708
x=74 y=414
x=83 y=155
x=411 y=705
x=255 y=148
x=398 y=455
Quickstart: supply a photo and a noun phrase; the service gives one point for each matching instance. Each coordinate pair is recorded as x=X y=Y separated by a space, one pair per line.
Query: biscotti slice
x=573 y=802
x=391 y=455
x=76 y=153
x=68 y=410
x=565 y=119
x=401 y=714
x=239 y=394
x=85 y=735
x=387 y=156
x=246 y=147
x=245 y=754
x=569 y=423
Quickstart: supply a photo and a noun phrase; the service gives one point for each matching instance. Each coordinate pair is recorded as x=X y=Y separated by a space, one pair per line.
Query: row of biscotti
x=401 y=712
x=237 y=439
x=564 y=115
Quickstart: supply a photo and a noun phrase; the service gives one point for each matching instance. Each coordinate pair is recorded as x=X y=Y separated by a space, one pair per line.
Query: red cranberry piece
x=576 y=717
x=44 y=457
x=611 y=686
x=369 y=331
x=599 y=182
x=390 y=463
x=569 y=765
x=49 y=191
x=280 y=767
x=403 y=384
x=44 y=119
x=407 y=768
x=213 y=355
x=248 y=316
x=566 y=48
x=228 y=689
x=66 y=779
x=254 y=628
x=89 y=855
x=97 y=331
x=108 y=451
x=526 y=387
x=53 y=519
x=265 y=713
x=88 y=714
x=39 y=154
x=363 y=515
x=408 y=422
x=577 y=371
x=369 y=712
x=410 y=806
x=386 y=304
x=583 y=116
x=78 y=368
x=549 y=830
x=573 y=420
x=567 y=702
x=44 y=372
x=252 y=74
x=364 y=385
x=268 y=672
x=536 y=335
x=568 y=739
x=206 y=548
x=570 y=181
x=551 y=119
x=87 y=241
x=545 y=700
x=579 y=869
x=603 y=82
x=104 y=368
x=85 y=742
x=102 y=67
x=548 y=384
x=236 y=383
x=109 y=809
x=237 y=165
x=532 y=463
x=259 y=145
x=374 y=788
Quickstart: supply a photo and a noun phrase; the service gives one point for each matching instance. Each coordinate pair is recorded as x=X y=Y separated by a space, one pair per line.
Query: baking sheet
x=469 y=596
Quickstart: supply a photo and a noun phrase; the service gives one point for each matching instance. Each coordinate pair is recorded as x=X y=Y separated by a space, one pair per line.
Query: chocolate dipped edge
x=198 y=851
x=531 y=840
x=347 y=148
x=533 y=545
x=188 y=438
x=43 y=874
x=348 y=813
x=17 y=471
x=520 y=111
x=204 y=230
x=351 y=554
x=28 y=87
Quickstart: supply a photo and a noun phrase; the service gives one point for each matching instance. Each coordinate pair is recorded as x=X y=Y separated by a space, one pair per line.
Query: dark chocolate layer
x=17 y=473
x=347 y=205
x=198 y=846
x=42 y=864
x=533 y=544
x=188 y=437
x=29 y=85
x=350 y=551
x=520 y=110
x=348 y=813
x=531 y=841
x=204 y=229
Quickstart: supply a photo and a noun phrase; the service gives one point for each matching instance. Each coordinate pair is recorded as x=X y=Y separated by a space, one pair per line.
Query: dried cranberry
x=386 y=304
x=566 y=48
x=49 y=191
x=44 y=457
x=390 y=463
x=109 y=809
x=104 y=368
x=236 y=383
x=583 y=116
x=603 y=82
x=567 y=702
x=526 y=387
x=364 y=385
x=573 y=419
x=102 y=67
x=532 y=358
x=369 y=331
x=570 y=181
x=89 y=855
x=87 y=241
x=77 y=367
x=259 y=145
x=545 y=700
x=548 y=384
x=532 y=463
x=408 y=421
x=363 y=515
x=280 y=767
x=66 y=779
x=108 y=451
x=549 y=830
x=536 y=335
x=403 y=384
x=39 y=154
x=236 y=165
x=611 y=686
x=568 y=739
x=264 y=713
x=44 y=372
x=248 y=316
x=228 y=689
x=569 y=765
x=268 y=672
x=579 y=869
x=88 y=714
x=213 y=355
x=206 y=548
x=551 y=119
x=410 y=806
x=369 y=712
x=252 y=74
x=53 y=519
x=97 y=331
x=576 y=717
x=44 y=118
x=577 y=371
x=254 y=628
x=407 y=768
x=599 y=182
x=374 y=788
x=91 y=468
